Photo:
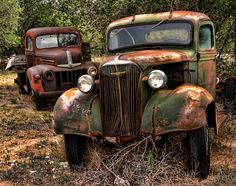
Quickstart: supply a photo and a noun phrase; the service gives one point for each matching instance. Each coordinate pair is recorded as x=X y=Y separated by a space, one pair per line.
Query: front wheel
x=75 y=147
x=38 y=101
x=199 y=151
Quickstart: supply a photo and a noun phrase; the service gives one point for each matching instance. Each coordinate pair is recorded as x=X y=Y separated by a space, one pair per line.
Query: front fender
x=181 y=109
x=35 y=84
x=77 y=113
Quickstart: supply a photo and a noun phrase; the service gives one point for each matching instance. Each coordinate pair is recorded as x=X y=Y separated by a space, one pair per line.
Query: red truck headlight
x=48 y=75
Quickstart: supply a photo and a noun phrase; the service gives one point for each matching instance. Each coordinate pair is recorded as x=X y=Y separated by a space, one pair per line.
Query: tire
x=20 y=81
x=38 y=101
x=75 y=147
x=199 y=151
x=21 y=89
x=230 y=88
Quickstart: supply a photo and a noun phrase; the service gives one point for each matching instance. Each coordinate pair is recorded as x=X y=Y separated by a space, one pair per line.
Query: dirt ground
x=32 y=154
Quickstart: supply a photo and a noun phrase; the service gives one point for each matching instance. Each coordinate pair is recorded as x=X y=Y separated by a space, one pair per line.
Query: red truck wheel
x=199 y=151
x=38 y=101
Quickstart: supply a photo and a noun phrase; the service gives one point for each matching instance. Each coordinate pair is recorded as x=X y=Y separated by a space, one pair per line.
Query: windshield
x=166 y=33
x=56 y=40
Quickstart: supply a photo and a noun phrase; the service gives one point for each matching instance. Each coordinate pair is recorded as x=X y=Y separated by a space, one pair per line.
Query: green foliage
x=93 y=16
x=9 y=13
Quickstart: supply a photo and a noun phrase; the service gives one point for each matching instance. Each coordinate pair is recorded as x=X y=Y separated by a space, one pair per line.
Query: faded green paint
x=161 y=111
x=96 y=122
x=181 y=109
x=72 y=113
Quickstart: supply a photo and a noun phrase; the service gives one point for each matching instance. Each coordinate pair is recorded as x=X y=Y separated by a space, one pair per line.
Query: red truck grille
x=120 y=100
x=68 y=79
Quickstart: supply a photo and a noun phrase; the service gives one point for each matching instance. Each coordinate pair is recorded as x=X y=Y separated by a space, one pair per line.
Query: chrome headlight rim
x=86 y=78
x=92 y=71
x=163 y=79
x=48 y=75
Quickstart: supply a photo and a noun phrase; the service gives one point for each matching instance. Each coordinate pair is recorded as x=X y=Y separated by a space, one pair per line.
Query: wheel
x=230 y=88
x=75 y=147
x=199 y=151
x=38 y=101
x=20 y=81
x=21 y=89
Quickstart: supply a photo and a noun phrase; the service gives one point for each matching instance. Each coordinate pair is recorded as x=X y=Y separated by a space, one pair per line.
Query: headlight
x=48 y=75
x=92 y=71
x=157 y=79
x=85 y=83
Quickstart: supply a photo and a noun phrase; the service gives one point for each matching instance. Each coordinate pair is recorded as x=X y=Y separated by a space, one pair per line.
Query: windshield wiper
x=158 y=24
x=131 y=37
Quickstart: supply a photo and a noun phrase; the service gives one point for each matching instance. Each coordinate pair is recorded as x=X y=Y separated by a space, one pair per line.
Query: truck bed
x=16 y=62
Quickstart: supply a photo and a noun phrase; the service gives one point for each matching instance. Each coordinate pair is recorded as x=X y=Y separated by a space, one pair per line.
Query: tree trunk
x=235 y=40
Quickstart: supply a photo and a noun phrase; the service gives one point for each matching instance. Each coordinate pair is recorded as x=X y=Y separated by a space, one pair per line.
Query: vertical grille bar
x=119 y=99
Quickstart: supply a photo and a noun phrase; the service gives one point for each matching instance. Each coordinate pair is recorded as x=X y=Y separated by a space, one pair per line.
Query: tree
x=9 y=13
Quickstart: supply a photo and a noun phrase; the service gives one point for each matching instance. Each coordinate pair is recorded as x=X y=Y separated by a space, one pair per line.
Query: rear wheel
x=21 y=81
x=199 y=151
x=75 y=147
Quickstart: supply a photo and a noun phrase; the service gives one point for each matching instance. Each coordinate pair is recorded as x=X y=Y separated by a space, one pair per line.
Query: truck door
x=207 y=57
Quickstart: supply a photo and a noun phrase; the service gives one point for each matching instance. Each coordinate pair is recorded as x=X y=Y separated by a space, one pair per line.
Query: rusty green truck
x=159 y=78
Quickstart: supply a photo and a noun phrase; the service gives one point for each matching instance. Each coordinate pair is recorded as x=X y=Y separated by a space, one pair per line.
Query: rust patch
x=156 y=56
x=193 y=16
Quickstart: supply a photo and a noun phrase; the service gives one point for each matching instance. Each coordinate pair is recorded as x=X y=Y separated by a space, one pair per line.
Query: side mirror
x=86 y=51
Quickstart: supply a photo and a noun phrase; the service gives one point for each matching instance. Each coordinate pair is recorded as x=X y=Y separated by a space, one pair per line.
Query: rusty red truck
x=55 y=57
x=159 y=78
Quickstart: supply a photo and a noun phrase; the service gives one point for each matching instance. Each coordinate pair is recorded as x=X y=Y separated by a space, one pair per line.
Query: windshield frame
x=151 y=45
x=59 y=46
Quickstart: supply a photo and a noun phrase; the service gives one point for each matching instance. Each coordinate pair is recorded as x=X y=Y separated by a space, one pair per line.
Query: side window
x=206 y=40
x=29 y=44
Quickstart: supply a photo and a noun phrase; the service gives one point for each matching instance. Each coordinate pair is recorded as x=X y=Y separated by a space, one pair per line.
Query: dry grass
x=31 y=153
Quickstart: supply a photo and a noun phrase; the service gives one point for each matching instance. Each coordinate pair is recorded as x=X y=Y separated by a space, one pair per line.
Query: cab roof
x=144 y=18
x=34 y=32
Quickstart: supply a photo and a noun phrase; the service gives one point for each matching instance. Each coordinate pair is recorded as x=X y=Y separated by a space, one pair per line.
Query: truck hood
x=59 y=55
x=146 y=58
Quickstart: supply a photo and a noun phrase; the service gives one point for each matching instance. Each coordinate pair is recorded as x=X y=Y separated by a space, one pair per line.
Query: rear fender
x=184 y=108
x=77 y=113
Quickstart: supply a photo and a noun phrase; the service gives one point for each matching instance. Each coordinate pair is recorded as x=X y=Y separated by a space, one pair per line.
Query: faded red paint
x=36 y=84
x=56 y=54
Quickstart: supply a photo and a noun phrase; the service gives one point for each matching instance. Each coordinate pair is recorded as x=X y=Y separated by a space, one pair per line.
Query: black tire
x=21 y=89
x=20 y=81
x=230 y=88
x=199 y=151
x=75 y=147
x=38 y=101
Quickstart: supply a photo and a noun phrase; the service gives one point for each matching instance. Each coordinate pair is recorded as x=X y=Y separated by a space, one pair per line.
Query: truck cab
x=55 y=57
